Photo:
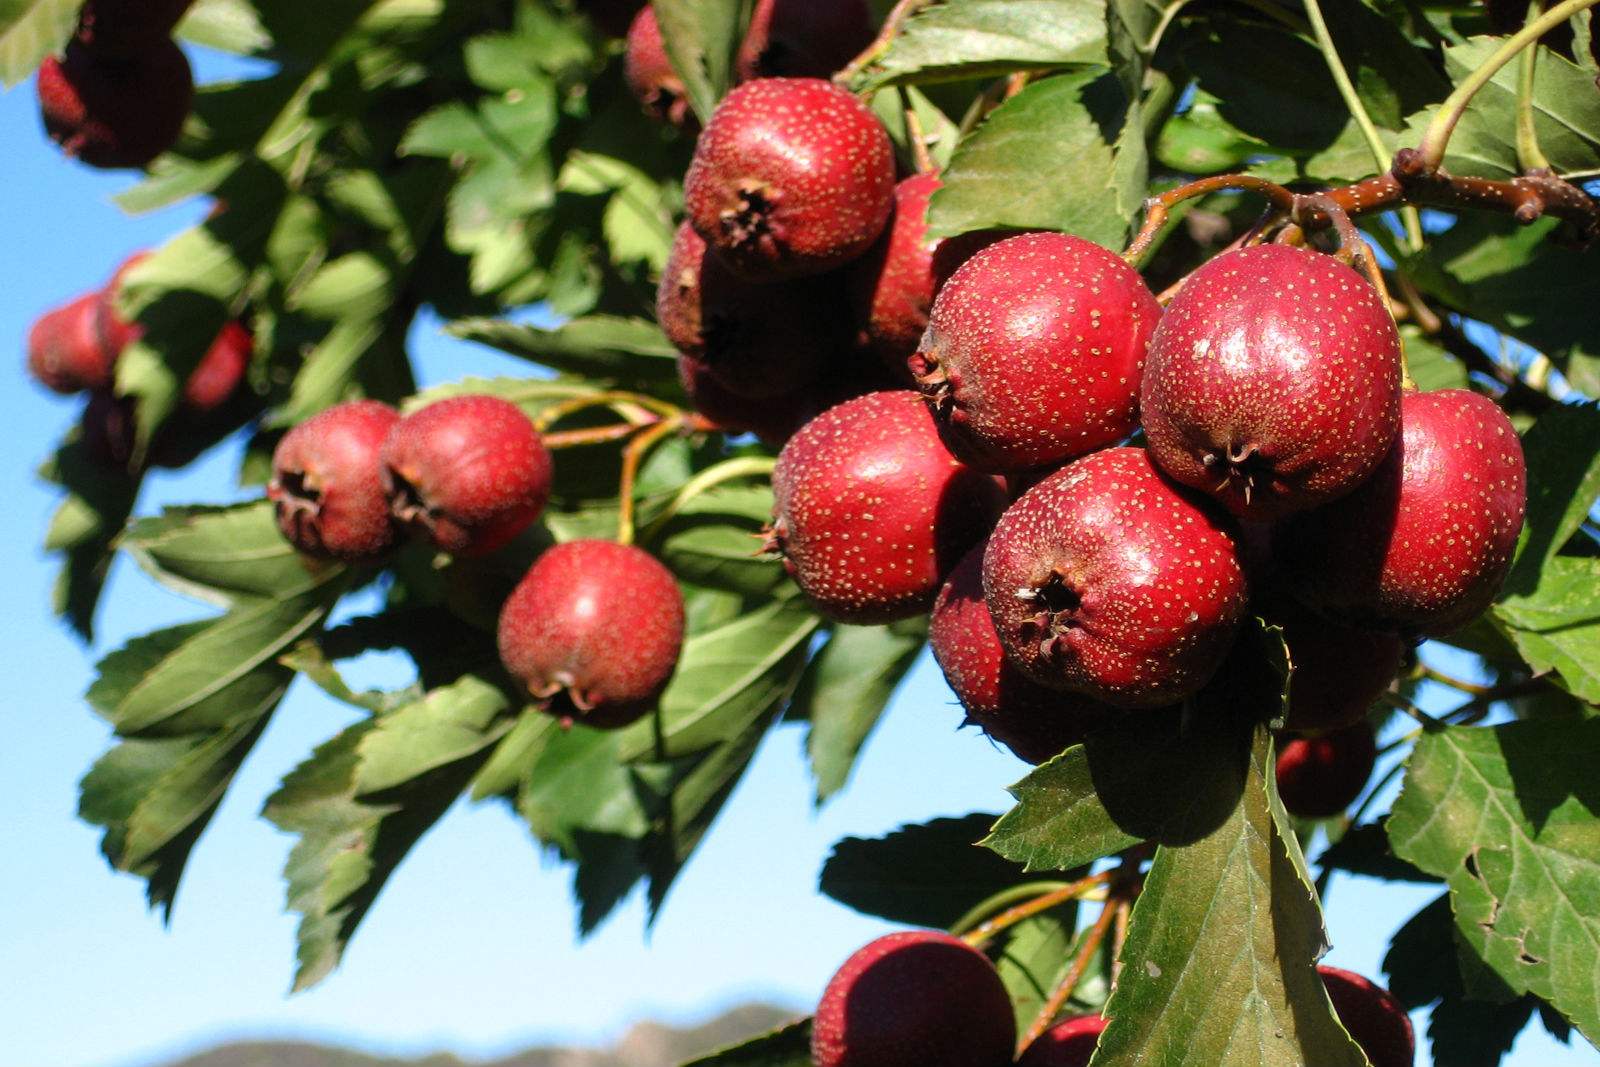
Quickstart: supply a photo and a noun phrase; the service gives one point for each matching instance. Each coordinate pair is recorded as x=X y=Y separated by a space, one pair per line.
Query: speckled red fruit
x=891 y=287
x=871 y=513
x=1318 y=777
x=124 y=27
x=116 y=111
x=791 y=176
x=1034 y=350
x=1035 y=723
x=773 y=419
x=593 y=631
x=914 y=999
x=757 y=340
x=649 y=72
x=470 y=472
x=326 y=485
x=1339 y=670
x=1374 y=1018
x=1425 y=545
x=64 y=349
x=1108 y=580
x=803 y=38
x=220 y=371
x=1273 y=381
x=1066 y=1044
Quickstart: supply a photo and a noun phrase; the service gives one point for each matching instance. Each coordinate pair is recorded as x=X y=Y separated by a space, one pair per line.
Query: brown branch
x=1080 y=964
x=1044 y=902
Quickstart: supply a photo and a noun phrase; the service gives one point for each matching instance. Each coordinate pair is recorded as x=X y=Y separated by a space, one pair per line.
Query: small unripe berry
x=326 y=487
x=64 y=349
x=1318 y=777
x=914 y=999
x=469 y=472
x=116 y=111
x=1069 y=1043
x=593 y=631
x=1372 y=1016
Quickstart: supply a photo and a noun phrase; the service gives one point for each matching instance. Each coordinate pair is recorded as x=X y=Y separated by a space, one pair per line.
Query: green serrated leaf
x=701 y=37
x=1562 y=453
x=1505 y=814
x=627 y=351
x=1365 y=850
x=788 y=1047
x=449 y=724
x=218 y=554
x=1556 y=625
x=31 y=30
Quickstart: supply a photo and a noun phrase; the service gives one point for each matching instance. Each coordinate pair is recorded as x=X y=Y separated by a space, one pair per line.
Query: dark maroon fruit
x=1374 y=1018
x=125 y=27
x=1069 y=1043
x=469 y=472
x=803 y=38
x=109 y=429
x=1035 y=723
x=757 y=340
x=773 y=419
x=1425 y=545
x=649 y=72
x=1034 y=350
x=891 y=287
x=791 y=177
x=64 y=349
x=116 y=111
x=871 y=513
x=914 y=999
x=1108 y=580
x=327 y=489
x=593 y=631
x=1318 y=777
x=1273 y=381
x=1339 y=670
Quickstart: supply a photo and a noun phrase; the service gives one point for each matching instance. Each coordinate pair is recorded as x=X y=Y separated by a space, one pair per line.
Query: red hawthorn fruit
x=116 y=332
x=470 y=472
x=915 y=999
x=791 y=177
x=1034 y=350
x=1318 y=777
x=327 y=487
x=112 y=111
x=1035 y=723
x=1108 y=580
x=220 y=371
x=1374 y=1018
x=803 y=38
x=64 y=349
x=773 y=419
x=126 y=27
x=1069 y=1043
x=1339 y=670
x=593 y=631
x=649 y=72
x=891 y=287
x=1425 y=545
x=758 y=341
x=1273 y=381
x=871 y=513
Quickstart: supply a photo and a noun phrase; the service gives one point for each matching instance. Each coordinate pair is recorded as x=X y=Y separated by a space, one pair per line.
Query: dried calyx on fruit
x=1034 y=350
x=916 y=999
x=1108 y=580
x=469 y=472
x=649 y=72
x=871 y=513
x=593 y=632
x=1273 y=381
x=791 y=177
x=327 y=489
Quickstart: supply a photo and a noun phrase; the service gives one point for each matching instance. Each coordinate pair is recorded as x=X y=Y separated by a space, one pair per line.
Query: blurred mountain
x=645 y=1045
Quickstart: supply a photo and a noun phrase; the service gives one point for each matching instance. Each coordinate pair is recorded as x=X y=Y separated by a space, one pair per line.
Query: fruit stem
x=1358 y=112
x=880 y=44
x=1158 y=208
x=726 y=471
x=1437 y=136
x=1529 y=155
x=624 y=403
x=1427 y=721
x=1080 y=964
x=1470 y=688
x=919 y=141
x=1044 y=902
x=632 y=458
x=593 y=436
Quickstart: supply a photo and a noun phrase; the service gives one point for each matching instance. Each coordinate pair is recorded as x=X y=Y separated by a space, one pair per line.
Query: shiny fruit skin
x=1069 y=1043
x=1372 y=1016
x=1273 y=382
x=891 y=287
x=1035 y=723
x=791 y=177
x=326 y=486
x=1318 y=777
x=593 y=631
x=64 y=349
x=758 y=341
x=649 y=72
x=919 y=998
x=803 y=38
x=1425 y=545
x=1034 y=350
x=470 y=472
x=1108 y=580
x=871 y=513
x=115 y=112
x=221 y=370
x=1339 y=670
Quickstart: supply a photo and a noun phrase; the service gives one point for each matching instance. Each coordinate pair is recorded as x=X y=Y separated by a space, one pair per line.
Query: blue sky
x=470 y=948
